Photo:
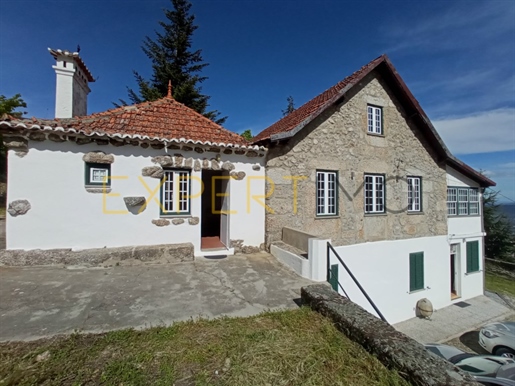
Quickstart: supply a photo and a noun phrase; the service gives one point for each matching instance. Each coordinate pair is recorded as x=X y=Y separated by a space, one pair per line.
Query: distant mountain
x=509 y=211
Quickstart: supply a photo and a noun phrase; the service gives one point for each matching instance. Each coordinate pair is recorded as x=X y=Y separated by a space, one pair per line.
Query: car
x=499 y=339
x=486 y=369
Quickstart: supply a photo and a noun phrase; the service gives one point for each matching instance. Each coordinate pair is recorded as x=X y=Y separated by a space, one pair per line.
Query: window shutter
x=416 y=271
x=333 y=277
x=472 y=256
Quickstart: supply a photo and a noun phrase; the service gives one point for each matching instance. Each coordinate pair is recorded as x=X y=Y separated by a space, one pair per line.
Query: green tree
x=290 y=108
x=247 y=134
x=9 y=105
x=500 y=238
x=174 y=60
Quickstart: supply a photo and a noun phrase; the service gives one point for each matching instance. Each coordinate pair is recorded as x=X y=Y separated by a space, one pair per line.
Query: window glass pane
x=320 y=193
x=462 y=208
x=379 y=194
x=98 y=175
x=369 y=197
x=474 y=208
x=378 y=120
x=463 y=194
x=451 y=201
x=370 y=119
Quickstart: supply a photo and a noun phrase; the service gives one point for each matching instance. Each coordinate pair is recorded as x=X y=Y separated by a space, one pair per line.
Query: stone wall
x=337 y=140
x=169 y=253
x=394 y=349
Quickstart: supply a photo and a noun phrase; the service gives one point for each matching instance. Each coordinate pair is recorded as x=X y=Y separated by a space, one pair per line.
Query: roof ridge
x=303 y=112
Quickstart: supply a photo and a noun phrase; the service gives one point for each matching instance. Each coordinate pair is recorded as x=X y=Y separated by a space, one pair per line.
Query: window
x=175 y=192
x=414 y=194
x=473 y=202
x=374 y=193
x=327 y=193
x=375 y=119
x=462 y=201
x=97 y=174
x=416 y=271
x=472 y=256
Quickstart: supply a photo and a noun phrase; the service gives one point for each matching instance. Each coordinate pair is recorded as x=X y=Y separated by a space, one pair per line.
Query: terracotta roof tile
x=164 y=119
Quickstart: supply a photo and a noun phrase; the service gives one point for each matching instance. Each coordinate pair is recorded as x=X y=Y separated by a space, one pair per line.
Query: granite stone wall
x=338 y=141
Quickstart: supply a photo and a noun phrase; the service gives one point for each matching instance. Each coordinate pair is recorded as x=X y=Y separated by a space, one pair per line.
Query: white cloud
x=484 y=132
x=459 y=27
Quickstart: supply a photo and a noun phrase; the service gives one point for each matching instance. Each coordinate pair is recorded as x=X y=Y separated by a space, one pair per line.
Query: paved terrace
x=451 y=322
x=45 y=301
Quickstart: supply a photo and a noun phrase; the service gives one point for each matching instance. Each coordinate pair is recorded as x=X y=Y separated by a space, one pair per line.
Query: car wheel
x=505 y=352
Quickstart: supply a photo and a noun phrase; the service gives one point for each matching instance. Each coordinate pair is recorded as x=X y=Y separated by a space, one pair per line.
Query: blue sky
x=458 y=58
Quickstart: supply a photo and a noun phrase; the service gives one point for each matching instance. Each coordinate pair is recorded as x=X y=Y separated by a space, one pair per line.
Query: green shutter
x=333 y=277
x=472 y=256
x=416 y=271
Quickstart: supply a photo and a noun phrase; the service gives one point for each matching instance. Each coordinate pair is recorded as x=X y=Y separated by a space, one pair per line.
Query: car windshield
x=480 y=366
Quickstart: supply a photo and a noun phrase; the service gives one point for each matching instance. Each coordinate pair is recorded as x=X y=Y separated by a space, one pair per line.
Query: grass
x=297 y=347
x=499 y=283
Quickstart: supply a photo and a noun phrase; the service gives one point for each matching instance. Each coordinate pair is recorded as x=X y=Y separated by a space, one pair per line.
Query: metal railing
x=330 y=278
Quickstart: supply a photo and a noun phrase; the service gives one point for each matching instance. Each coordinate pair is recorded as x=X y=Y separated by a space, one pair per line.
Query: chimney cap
x=76 y=57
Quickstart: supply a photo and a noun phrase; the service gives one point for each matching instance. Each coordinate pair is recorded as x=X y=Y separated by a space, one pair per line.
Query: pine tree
x=247 y=134
x=500 y=238
x=290 y=108
x=173 y=60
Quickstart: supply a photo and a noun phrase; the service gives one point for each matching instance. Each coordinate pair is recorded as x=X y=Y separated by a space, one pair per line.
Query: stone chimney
x=72 y=78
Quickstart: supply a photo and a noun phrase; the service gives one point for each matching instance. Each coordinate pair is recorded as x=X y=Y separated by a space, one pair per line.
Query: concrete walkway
x=40 y=302
x=451 y=322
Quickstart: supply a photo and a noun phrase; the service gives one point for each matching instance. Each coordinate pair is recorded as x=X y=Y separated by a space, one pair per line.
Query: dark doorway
x=212 y=202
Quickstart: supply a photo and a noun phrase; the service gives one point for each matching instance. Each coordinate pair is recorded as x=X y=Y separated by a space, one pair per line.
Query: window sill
x=463 y=215
x=376 y=135
x=418 y=290
x=175 y=216
x=97 y=189
x=415 y=213
x=376 y=214
x=326 y=217
x=473 y=273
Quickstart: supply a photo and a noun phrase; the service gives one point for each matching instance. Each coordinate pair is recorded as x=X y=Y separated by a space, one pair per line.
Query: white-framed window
x=452 y=201
x=462 y=201
x=374 y=193
x=175 y=192
x=97 y=174
x=473 y=202
x=327 y=193
x=414 y=194
x=375 y=119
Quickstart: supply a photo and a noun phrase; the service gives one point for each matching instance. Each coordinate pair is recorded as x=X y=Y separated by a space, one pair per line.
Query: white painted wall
x=463 y=229
x=65 y=215
x=382 y=269
x=463 y=226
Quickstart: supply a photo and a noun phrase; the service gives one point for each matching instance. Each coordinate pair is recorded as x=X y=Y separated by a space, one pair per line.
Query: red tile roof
x=299 y=118
x=320 y=102
x=164 y=120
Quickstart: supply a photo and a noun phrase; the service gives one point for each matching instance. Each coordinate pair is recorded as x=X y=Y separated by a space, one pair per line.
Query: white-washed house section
x=466 y=232
x=64 y=214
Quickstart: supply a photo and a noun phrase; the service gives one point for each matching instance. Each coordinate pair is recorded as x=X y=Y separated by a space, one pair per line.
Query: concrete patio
x=451 y=322
x=45 y=301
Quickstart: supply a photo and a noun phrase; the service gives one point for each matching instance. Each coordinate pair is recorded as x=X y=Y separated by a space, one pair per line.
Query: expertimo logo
x=154 y=194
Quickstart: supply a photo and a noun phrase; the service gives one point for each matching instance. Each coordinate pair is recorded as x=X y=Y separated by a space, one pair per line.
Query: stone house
x=361 y=165
x=155 y=173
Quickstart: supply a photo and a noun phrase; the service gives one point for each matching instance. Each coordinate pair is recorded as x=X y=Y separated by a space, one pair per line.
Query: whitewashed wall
x=382 y=269
x=65 y=215
x=463 y=229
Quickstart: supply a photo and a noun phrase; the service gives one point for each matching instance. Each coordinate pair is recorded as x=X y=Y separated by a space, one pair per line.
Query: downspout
x=483 y=230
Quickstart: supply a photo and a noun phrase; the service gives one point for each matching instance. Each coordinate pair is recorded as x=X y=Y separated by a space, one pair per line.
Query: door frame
x=455 y=271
